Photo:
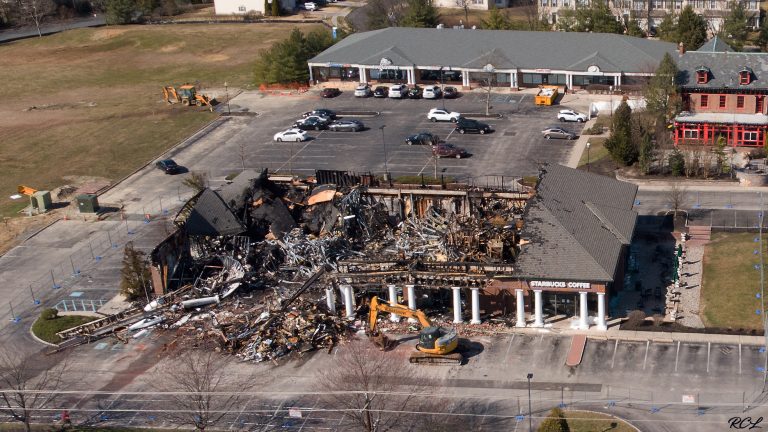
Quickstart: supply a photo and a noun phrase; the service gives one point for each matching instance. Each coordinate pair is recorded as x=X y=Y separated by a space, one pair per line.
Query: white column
x=618 y=79
x=330 y=300
x=311 y=78
x=348 y=298
x=393 y=300
x=363 y=75
x=411 y=76
x=538 y=319
x=583 y=324
x=513 y=79
x=601 y=312
x=475 y=306
x=456 y=305
x=411 y=300
x=520 y=308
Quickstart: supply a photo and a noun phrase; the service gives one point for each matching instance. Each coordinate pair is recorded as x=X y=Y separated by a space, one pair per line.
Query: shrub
x=676 y=163
x=49 y=314
x=555 y=422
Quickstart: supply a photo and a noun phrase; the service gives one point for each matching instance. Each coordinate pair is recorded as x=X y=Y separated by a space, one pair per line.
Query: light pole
x=610 y=90
x=588 y=145
x=384 y=144
x=530 y=421
x=442 y=86
x=226 y=91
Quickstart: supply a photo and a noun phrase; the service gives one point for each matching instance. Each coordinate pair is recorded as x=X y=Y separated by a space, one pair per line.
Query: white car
x=363 y=90
x=572 y=116
x=310 y=6
x=437 y=114
x=291 y=135
x=398 y=91
x=432 y=92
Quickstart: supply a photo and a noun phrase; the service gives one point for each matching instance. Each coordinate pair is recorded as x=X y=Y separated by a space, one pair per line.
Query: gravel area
x=691 y=290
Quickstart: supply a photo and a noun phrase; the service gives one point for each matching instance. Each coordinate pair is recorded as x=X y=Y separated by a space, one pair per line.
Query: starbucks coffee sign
x=559 y=284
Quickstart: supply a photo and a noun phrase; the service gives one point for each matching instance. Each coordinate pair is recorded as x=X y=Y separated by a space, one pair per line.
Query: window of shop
x=532 y=79
x=759 y=104
x=585 y=80
x=704 y=101
x=691 y=134
x=739 y=102
x=387 y=75
x=721 y=105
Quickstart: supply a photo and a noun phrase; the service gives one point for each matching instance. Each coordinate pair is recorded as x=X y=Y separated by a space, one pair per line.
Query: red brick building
x=723 y=95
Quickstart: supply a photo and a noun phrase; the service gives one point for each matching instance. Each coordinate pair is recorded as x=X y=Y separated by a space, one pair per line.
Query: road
x=50 y=28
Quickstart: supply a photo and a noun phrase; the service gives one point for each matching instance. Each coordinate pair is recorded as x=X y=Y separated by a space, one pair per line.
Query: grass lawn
x=580 y=421
x=47 y=329
x=730 y=282
x=597 y=152
x=452 y=16
x=98 y=101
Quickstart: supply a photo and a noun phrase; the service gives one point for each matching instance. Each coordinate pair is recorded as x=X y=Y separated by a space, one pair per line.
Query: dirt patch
x=215 y=57
x=173 y=48
x=107 y=33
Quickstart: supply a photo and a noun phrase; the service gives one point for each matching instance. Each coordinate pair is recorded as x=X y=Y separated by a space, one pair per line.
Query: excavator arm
x=396 y=309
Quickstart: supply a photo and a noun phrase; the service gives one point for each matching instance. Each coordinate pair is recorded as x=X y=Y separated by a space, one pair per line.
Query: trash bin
x=87 y=203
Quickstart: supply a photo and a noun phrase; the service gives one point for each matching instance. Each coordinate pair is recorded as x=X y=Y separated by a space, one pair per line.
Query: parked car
x=450 y=93
x=425 y=138
x=310 y=6
x=320 y=112
x=432 y=92
x=330 y=92
x=319 y=118
x=310 y=123
x=380 y=92
x=449 y=150
x=168 y=166
x=437 y=114
x=469 y=125
x=398 y=91
x=363 y=90
x=346 y=126
x=291 y=135
x=572 y=116
x=558 y=132
x=414 y=92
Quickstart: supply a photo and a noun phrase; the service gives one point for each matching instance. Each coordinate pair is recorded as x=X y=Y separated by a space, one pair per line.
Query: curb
x=682 y=183
x=38 y=339
x=483 y=115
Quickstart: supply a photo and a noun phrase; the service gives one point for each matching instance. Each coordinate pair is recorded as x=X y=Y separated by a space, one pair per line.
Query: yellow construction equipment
x=436 y=344
x=186 y=95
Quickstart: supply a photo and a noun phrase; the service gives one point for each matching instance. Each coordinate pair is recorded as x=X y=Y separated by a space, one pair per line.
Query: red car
x=330 y=92
x=449 y=150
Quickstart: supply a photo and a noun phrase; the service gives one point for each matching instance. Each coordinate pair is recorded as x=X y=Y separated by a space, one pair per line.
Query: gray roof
x=238 y=191
x=724 y=68
x=503 y=49
x=715 y=45
x=577 y=226
x=210 y=216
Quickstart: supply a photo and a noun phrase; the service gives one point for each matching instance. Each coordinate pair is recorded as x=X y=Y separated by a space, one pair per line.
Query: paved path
x=51 y=28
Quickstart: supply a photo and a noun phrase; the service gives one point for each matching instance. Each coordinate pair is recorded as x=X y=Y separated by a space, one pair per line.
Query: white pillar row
x=538 y=319
x=601 y=325
x=330 y=300
x=583 y=314
x=363 y=75
x=393 y=300
x=456 y=305
x=475 y=306
x=465 y=78
x=348 y=299
x=520 y=308
x=411 y=300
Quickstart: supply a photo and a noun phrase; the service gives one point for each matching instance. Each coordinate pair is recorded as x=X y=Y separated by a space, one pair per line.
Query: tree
x=661 y=97
x=646 y=153
x=384 y=13
x=762 y=36
x=464 y=4
x=420 y=13
x=676 y=196
x=497 y=20
x=275 y=8
x=619 y=144
x=35 y=11
x=566 y=20
x=735 y=28
x=676 y=162
x=120 y=11
x=197 y=181
x=135 y=281
x=28 y=386
x=555 y=422
x=667 y=29
x=633 y=28
x=597 y=17
x=691 y=29
x=195 y=381
x=286 y=61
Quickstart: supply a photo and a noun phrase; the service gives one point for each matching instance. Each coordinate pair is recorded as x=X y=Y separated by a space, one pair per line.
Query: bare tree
x=676 y=197
x=196 y=181
x=243 y=153
x=464 y=4
x=35 y=11
x=195 y=380
x=28 y=385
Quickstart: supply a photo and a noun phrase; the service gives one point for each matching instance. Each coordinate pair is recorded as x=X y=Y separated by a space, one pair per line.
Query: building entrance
x=559 y=303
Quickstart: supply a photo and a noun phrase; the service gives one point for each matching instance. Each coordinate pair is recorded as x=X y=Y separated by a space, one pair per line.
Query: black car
x=381 y=92
x=346 y=126
x=320 y=112
x=414 y=92
x=450 y=93
x=168 y=166
x=423 y=138
x=311 y=123
x=330 y=92
x=469 y=125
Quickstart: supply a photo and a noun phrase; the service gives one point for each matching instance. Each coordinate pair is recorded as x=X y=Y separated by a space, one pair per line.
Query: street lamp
x=588 y=145
x=384 y=144
x=530 y=421
x=610 y=90
x=226 y=91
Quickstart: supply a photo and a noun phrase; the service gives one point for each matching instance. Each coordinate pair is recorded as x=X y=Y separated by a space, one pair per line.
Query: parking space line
x=509 y=346
x=709 y=346
x=615 y=347
x=647 y=346
x=677 y=354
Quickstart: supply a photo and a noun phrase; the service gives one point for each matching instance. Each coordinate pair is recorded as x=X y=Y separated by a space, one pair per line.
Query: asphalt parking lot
x=514 y=149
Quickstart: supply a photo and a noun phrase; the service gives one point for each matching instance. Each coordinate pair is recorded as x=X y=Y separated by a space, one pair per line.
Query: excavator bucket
x=383 y=342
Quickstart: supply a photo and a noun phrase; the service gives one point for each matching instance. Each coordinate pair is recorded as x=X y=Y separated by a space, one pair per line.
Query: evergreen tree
x=735 y=28
x=676 y=162
x=667 y=29
x=597 y=18
x=286 y=61
x=762 y=37
x=555 y=422
x=646 y=153
x=275 y=7
x=420 y=13
x=620 y=144
x=691 y=29
x=633 y=28
x=266 y=7
x=496 y=20
x=135 y=282
x=661 y=96
x=120 y=11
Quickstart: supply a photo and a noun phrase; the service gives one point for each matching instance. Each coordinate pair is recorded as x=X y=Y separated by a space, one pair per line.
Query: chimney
x=681 y=48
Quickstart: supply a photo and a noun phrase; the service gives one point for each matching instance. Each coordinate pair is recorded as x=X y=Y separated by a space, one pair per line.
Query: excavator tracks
x=422 y=358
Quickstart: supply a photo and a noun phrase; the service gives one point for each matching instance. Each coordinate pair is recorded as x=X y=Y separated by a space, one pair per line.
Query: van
x=398 y=91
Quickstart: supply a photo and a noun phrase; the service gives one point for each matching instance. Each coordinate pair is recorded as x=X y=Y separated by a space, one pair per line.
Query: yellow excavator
x=186 y=95
x=436 y=344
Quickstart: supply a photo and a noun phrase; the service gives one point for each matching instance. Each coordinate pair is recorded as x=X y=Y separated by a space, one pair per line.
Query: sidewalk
x=47 y=29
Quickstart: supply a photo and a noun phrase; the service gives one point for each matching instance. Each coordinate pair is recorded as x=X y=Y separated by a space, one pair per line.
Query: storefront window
x=585 y=80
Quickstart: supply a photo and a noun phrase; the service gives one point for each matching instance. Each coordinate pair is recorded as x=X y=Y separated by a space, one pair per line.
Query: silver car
x=363 y=90
x=346 y=126
x=558 y=132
